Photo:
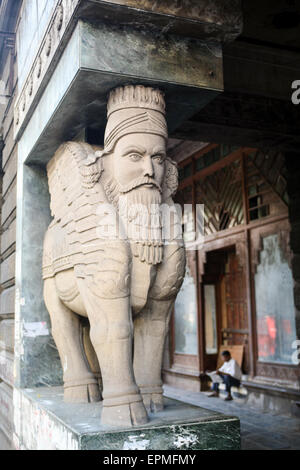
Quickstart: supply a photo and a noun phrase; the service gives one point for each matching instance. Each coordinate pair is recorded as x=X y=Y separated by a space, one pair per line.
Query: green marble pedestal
x=46 y=422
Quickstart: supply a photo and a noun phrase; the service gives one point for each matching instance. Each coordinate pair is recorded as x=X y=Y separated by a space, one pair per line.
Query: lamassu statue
x=106 y=258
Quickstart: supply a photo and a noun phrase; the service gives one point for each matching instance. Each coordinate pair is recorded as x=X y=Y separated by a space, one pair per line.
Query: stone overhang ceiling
x=259 y=68
x=98 y=45
x=273 y=23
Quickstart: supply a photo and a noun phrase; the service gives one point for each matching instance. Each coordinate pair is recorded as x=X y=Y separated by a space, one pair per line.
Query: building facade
x=226 y=73
x=238 y=289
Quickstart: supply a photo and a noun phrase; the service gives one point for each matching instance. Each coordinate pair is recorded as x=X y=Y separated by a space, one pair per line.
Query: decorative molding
x=238 y=241
x=202 y=258
x=47 y=54
x=278 y=371
x=221 y=194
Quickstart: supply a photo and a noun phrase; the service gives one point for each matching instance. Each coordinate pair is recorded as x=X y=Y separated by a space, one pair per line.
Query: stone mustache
x=124 y=285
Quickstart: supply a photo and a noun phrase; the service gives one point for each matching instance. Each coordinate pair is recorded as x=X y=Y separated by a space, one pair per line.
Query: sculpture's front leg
x=150 y=330
x=106 y=299
x=151 y=327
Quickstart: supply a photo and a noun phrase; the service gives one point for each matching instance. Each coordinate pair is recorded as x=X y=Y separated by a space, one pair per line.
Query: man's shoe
x=213 y=394
x=229 y=398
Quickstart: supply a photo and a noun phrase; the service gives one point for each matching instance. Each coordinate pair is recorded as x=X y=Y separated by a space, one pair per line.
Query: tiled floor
x=259 y=431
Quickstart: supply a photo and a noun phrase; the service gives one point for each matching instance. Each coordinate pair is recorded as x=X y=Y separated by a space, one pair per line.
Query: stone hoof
x=153 y=402
x=125 y=415
x=87 y=393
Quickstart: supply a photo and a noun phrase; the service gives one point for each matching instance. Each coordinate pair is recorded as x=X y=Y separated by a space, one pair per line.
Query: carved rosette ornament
x=112 y=255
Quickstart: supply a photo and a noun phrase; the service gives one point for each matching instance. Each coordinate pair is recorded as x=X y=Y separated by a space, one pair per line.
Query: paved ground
x=259 y=431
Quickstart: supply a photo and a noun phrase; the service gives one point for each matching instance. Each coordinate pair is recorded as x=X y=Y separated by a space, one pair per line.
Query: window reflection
x=276 y=329
x=186 y=341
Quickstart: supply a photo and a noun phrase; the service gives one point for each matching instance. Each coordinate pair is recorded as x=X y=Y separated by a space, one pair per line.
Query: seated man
x=229 y=373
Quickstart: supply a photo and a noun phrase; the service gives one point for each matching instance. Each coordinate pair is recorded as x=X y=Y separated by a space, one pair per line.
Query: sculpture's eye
x=135 y=157
x=158 y=158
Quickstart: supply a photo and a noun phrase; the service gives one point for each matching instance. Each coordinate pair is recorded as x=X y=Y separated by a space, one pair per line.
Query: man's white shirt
x=232 y=368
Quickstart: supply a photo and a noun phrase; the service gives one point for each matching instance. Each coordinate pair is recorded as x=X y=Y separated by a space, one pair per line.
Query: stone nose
x=148 y=166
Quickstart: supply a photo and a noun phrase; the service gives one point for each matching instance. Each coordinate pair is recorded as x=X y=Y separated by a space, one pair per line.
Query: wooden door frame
x=206 y=366
x=237 y=243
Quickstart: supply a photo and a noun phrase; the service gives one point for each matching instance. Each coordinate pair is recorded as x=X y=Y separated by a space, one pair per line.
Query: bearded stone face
x=136 y=172
x=139 y=158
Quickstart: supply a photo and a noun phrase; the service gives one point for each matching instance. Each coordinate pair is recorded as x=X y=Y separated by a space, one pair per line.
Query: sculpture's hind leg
x=80 y=384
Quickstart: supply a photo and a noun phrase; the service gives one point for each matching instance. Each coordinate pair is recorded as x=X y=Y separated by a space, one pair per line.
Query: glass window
x=209 y=158
x=188 y=169
x=185 y=172
x=275 y=311
x=186 y=338
x=211 y=345
x=200 y=164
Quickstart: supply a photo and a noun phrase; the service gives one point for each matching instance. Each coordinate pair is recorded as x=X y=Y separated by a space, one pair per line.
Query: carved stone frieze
x=47 y=53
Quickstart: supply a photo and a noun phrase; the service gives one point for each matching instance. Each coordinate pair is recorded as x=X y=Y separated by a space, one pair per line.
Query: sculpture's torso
x=66 y=279
x=73 y=249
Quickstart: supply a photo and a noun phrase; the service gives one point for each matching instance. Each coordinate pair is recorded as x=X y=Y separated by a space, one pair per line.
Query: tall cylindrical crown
x=135 y=96
x=134 y=109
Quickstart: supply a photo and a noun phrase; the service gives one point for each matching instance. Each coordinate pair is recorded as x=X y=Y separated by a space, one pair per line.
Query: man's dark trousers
x=228 y=381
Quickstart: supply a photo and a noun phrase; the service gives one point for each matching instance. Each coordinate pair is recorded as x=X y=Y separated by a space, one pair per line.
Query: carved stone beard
x=140 y=216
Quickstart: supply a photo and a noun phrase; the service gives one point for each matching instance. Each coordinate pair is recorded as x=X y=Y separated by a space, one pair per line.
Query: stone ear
x=170 y=184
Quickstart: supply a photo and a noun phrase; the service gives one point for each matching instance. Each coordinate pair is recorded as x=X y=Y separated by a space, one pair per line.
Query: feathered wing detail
x=74 y=239
x=90 y=168
x=71 y=171
x=75 y=195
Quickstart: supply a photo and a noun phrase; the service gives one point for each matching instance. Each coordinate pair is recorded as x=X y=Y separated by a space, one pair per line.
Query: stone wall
x=8 y=241
x=30 y=19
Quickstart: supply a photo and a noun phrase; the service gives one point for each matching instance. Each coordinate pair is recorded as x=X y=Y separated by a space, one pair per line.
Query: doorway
x=224 y=306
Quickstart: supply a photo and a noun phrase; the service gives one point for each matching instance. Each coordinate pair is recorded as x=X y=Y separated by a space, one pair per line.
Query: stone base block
x=49 y=423
x=273 y=398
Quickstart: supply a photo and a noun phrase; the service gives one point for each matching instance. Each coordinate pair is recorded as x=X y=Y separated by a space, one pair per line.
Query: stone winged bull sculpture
x=106 y=258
